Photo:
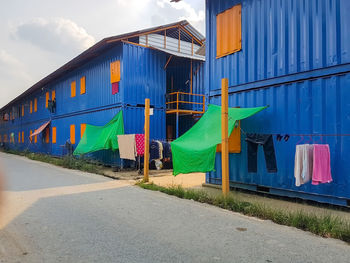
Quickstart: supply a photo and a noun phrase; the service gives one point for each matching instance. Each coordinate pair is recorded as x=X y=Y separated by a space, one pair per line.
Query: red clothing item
x=140 y=144
x=115 y=88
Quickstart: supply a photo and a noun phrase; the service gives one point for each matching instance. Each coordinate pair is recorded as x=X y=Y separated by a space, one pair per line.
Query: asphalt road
x=56 y=215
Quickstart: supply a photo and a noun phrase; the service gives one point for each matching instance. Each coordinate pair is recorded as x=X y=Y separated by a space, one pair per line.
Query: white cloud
x=14 y=78
x=43 y=44
x=190 y=13
x=184 y=10
x=55 y=35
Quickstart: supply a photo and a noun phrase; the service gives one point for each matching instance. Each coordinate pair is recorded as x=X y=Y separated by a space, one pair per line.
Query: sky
x=39 y=36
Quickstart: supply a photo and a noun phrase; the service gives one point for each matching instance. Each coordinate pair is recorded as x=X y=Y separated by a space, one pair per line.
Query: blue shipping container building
x=116 y=74
x=293 y=55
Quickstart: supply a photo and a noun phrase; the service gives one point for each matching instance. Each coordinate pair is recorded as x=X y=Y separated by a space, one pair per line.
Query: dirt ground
x=194 y=180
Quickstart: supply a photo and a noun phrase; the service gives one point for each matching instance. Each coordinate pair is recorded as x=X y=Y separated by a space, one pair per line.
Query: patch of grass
x=69 y=162
x=325 y=226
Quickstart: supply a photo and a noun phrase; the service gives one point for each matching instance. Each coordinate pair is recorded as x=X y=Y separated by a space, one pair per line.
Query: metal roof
x=103 y=45
x=179 y=54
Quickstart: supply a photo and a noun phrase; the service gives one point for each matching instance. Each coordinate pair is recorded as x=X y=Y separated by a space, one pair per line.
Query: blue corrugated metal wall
x=97 y=106
x=294 y=58
x=279 y=38
x=98 y=97
x=98 y=85
x=144 y=76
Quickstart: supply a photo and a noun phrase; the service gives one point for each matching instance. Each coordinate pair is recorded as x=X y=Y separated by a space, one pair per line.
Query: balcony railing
x=182 y=102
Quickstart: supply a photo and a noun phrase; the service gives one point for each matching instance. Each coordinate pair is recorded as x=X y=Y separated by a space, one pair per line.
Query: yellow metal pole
x=224 y=136
x=146 y=156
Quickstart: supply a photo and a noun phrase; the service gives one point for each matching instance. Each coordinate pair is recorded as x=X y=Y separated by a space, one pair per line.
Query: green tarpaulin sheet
x=98 y=138
x=195 y=150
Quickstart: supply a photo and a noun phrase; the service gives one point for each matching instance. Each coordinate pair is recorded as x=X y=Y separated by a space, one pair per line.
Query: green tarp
x=195 y=150
x=98 y=138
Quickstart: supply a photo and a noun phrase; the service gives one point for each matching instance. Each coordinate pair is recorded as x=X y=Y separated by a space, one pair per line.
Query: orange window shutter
x=218 y=34
x=53 y=134
x=82 y=85
x=47 y=135
x=30 y=134
x=0 y=139
x=53 y=95
x=19 y=137
x=237 y=28
x=35 y=138
x=229 y=31
x=31 y=107
x=72 y=134
x=22 y=110
x=47 y=98
x=115 y=71
x=234 y=141
x=82 y=129
x=73 y=86
x=35 y=105
x=22 y=137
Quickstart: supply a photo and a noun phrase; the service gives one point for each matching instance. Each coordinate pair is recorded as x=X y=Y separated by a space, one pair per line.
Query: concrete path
x=57 y=215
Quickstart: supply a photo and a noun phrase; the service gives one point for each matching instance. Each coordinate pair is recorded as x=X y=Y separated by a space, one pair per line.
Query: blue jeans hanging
x=266 y=140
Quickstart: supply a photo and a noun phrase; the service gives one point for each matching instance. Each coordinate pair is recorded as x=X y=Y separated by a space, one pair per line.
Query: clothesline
x=306 y=135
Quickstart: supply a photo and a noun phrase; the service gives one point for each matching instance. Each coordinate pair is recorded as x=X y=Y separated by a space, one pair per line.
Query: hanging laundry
x=160 y=147
x=115 y=88
x=127 y=146
x=166 y=150
x=266 y=140
x=140 y=144
x=154 y=150
x=303 y=165
x=321 y=165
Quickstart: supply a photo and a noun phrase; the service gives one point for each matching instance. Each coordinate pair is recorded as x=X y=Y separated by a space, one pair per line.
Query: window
x=229 y=31
x=35 y=105
x=0 y=139
x=115 y=76
x=47 y=135
x=115 y=71
x=53 y=95
x=22 y=110
x=31 y=107
x=47 y=98
x=234 y=141
x=82 y=129
x=72 y=134
x=82 y=85
x=22 y=137
x=53 y=134
x=73 y=89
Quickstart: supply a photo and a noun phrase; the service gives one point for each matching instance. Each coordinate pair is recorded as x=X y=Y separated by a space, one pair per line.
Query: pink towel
x=140 y=144
x=322 y=165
